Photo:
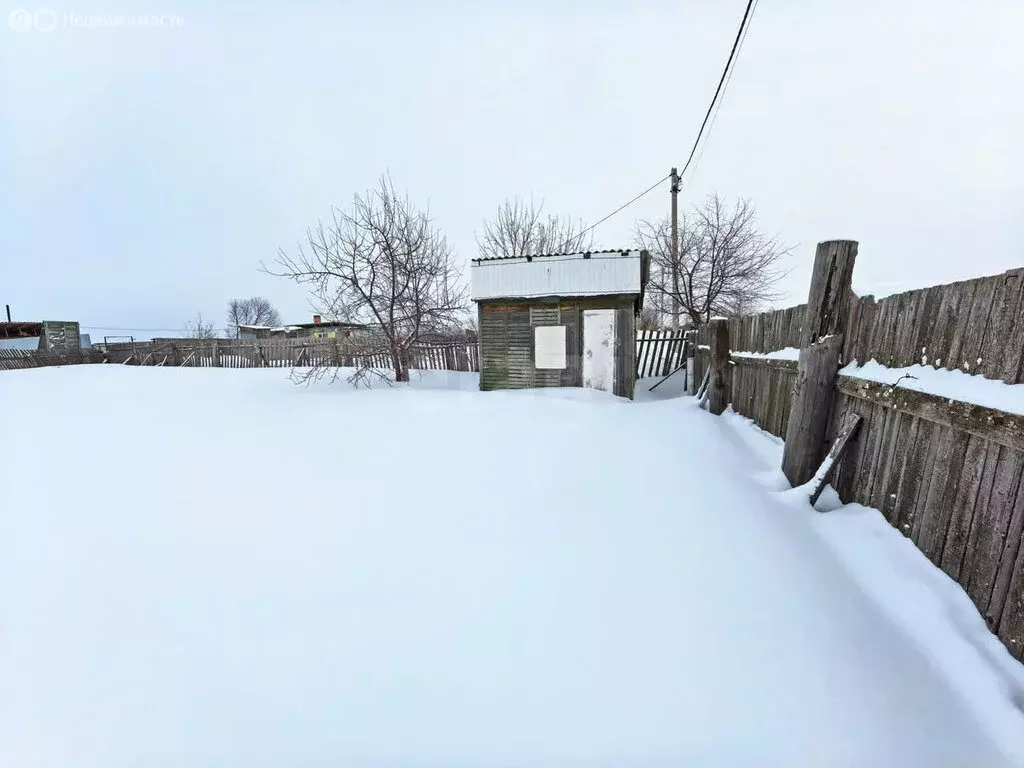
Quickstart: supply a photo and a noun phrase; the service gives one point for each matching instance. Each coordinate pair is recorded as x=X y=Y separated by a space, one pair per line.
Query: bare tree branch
x=726 y=266
x=255 y=310
x=520 y=228
x=199 y=329
x=382 y=263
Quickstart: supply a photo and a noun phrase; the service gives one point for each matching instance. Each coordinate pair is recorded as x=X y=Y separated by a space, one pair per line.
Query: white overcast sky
x=144 y=173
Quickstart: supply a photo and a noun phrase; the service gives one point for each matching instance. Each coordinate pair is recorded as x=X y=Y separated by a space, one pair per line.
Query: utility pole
x=674 y=256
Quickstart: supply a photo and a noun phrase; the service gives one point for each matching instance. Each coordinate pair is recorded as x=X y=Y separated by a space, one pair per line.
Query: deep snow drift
x=215 y=567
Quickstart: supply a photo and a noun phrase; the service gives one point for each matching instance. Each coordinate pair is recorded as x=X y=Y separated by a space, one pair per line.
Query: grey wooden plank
x=904 y=429
x=866 y=319
x=1005 y=589
x=975 y=483
x=891 y=343
x=912 y=481
x=910 y=350
x=742 y=379
x=870 y=438
x=875 y=337
x=1011 y=621
x=925 y=329
x=966 y=294
x=881 y=422
x=998 y=334
x=989 y=529
x=940 y=342
x=883 y=313
x=942 y=488
x=787 y=380
x=1013 y=354
x=988 y=423
x=976 y=332
x=901 y=336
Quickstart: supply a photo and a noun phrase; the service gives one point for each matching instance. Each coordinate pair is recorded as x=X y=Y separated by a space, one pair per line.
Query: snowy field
x=211 y=568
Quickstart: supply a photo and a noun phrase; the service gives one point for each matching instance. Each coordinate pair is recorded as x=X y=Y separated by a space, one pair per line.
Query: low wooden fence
x=946 y=473
x=14 y=359
x=285 y=353
x=658 y=353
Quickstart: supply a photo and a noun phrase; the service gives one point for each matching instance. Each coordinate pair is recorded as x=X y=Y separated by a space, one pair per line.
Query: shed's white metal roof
x=594 y=273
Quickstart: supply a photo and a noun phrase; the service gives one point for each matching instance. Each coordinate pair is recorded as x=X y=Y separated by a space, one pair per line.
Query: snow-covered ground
x=216 y=567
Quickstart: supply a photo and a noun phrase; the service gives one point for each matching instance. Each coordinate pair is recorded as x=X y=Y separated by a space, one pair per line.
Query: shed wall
x=507 y=341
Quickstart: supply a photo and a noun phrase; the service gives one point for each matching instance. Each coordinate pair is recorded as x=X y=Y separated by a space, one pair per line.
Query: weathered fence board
x=947 y=474
x=16 y=359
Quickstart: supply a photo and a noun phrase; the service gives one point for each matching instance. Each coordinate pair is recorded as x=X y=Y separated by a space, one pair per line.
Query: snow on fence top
x=952 y=385
x=594 y=273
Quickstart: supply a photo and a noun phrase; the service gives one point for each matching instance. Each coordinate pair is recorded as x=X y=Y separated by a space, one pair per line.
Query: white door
x=599 y=349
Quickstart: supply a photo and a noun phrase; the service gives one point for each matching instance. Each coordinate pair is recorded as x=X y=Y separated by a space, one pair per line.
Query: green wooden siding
x=507 y=341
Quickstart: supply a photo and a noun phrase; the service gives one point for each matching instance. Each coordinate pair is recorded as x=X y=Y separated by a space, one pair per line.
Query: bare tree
x=519 y=228
x=199 y=328
x=256 y=310
x=385 y=264
x=651 y=318
x=727 y=266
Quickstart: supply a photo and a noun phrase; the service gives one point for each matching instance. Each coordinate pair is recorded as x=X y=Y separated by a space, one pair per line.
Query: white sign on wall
x=549 y=346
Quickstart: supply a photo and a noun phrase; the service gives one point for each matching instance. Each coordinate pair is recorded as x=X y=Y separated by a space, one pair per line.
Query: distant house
x=560 y=320
x=253 y=332
x=48 y=335
x=319 y=328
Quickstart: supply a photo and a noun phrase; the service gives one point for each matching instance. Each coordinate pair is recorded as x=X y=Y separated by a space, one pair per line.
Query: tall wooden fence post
x=691 y=362
x=718 y=381
x=828 y=311
x=215 y=355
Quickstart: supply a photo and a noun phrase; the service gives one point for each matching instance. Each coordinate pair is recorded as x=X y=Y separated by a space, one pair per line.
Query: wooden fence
x=285 y=353
x=658 y=353
x=946 y=473
x=13 y=359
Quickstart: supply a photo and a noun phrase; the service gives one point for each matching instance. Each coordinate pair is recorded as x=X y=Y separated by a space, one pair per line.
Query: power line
x=627 y=204
x=721 y=81
x=716 y=102
x=620 y=208
x=728 y=79
x=144 y=330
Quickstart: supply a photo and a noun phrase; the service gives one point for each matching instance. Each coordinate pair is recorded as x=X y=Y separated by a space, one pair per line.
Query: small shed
x=560 y=319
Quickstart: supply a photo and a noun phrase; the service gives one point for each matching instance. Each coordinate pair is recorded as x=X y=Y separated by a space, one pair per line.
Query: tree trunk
x=400 y=363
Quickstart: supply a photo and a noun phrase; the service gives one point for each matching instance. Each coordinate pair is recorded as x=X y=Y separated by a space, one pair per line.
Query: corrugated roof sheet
x=591 y=273
x=550 y=255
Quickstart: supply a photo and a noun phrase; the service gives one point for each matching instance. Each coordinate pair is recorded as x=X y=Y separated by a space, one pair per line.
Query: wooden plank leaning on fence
x=828 y=310
x=851 y=421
